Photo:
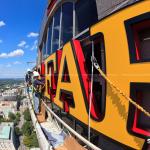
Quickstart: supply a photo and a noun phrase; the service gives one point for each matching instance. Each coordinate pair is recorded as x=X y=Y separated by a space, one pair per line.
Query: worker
x=37 y=84
x=28 y=78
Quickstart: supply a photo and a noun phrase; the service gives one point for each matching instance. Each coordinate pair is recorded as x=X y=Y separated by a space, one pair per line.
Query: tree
x=27 y=141
x=16 y=122
x=2 y=119
x=11 y=116
x=31 y=141
x=14 y=118
x=34 y=140
x=27 y=116
x=27 y=128
x=18 y=131
x=30 y=138
x=18 y=115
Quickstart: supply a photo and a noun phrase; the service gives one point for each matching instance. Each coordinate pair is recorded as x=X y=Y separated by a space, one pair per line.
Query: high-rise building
x=7 y=139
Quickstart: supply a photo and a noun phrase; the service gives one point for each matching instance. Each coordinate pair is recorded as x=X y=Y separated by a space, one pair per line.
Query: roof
x=5 y=132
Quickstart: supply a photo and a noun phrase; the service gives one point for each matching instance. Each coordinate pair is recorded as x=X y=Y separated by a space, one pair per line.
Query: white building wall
x=6 y=145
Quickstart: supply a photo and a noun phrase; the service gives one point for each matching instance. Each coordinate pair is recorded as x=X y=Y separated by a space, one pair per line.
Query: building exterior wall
x=116 y=44
x=8 y=144
x=6 y=107
x=106 y=7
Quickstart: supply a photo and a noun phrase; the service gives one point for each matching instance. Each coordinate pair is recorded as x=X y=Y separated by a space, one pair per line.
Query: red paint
x=50 y=6
x=43 y=69
x=137 y=112
x=136 y=129
x=66 y=106
x=137 y=45
x=58 y=55
x=85 y=78
x=136 y=28
x=54 y=75
x=65 y=103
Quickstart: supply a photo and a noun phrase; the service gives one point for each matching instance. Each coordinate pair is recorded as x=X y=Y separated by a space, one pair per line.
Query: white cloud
x=8 y=65
x=1 y=41
x=17 y=63
x=17 y=52
x=22 y=44
x=3 y=55
x=27 y=46
x=33 y=34
x=34 y=45
x=2 y=23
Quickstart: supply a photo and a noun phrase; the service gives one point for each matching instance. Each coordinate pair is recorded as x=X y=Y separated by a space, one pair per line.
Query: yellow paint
x=74 y=86
x=121 y=72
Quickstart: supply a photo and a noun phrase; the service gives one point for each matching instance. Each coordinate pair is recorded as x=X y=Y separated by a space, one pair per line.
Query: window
x=86 y=14
x=67 y=98
x=95 y=44
x=49 y=38
x=138 y=34
x=61 y=27
x=67 y=22
x=39 y=58
x=56 y=29
x=144 y=43
x=138 y=122
x=44 y=50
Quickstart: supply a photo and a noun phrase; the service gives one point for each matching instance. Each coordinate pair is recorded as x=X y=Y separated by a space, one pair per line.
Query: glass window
x=39 y=56
x=44 y=50
x=86 y=14
x=144 y=42
x=67 y=22
x=138 y=36
x=49 y=39
x=99 y=84
x=138 y=122
x=56 y=28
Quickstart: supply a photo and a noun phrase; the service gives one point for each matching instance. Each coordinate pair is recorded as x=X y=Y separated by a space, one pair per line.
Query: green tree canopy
x=11 y=116
x=27 y=116
x=18 y=131
x=31 y=141
x=27 y=128
x=2 y=119
x=18 y=115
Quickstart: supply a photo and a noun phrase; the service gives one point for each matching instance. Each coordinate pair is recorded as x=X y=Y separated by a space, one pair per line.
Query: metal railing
x=43 y=142
x=77 y=135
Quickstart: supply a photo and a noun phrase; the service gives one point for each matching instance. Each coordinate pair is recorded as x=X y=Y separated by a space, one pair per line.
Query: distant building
x=24 y=104
x=6 y=107
x=34 y=148
x=7 y=139
x=10 y=94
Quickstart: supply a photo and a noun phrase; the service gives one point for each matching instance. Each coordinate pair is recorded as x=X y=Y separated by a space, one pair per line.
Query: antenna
x=31 y=62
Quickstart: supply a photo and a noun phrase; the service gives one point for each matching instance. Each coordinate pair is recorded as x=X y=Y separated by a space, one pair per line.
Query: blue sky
x=20 y=22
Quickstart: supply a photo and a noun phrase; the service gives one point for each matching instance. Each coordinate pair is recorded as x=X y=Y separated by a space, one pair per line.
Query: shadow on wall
x=119 y=103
